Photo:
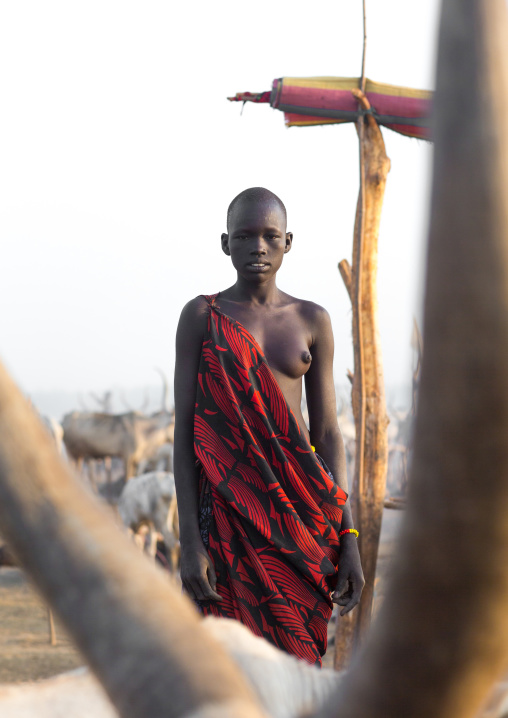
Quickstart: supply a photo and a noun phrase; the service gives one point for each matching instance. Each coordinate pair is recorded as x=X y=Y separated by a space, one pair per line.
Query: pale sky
x=119 y=154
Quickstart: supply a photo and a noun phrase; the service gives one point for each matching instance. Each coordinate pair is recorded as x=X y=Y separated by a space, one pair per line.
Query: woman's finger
x=208 y=592
x=212 y=576
x=341 y=587
x=341 y=600
x=198 y=589
x=354 y=599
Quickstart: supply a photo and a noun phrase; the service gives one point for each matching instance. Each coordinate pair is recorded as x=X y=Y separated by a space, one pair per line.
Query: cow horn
x=165 y=390
x=142 y=639
x=441 y=638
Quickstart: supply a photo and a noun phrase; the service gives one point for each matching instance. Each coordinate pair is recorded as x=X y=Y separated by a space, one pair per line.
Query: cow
x=285 y=685
x=149 y=501
x=131 y=436
x=161 y=460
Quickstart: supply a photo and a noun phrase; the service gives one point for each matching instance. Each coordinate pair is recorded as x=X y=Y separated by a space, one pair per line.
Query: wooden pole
x=346 y=625
x=441 y=638
x=368 y=397
x=364 y=52
x=51 y=628
x=357 y=278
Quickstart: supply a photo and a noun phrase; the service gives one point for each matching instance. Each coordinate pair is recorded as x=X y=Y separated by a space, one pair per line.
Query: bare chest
x=283 y=338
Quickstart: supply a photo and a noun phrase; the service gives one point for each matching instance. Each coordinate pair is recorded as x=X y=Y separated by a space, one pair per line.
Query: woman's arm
x=197 y=573
x=326 y=438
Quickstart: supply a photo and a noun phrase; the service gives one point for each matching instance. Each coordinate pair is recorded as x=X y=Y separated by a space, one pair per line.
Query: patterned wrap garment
x=269 y=511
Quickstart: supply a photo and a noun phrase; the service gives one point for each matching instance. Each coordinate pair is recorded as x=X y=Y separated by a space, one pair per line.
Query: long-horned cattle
x=131 y=436
x=440 y=639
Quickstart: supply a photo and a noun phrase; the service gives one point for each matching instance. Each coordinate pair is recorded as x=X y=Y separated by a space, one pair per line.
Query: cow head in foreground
x=441 y=638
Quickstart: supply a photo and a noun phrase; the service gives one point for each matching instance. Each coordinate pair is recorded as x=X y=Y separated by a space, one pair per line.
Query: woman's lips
x=258 y=266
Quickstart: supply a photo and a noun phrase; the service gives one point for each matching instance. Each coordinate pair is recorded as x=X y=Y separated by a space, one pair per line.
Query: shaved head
x=255 y=195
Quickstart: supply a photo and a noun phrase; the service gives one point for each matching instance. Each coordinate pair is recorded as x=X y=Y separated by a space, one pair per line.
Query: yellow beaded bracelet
x=349 y=531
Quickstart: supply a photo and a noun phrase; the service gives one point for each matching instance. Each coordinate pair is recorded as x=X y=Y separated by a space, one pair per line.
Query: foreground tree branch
x=441 y=629
x=142 y=639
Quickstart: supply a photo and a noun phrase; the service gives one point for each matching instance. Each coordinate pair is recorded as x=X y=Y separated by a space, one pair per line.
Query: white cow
x=162 y=460
x=285 y=686
x=149 y=501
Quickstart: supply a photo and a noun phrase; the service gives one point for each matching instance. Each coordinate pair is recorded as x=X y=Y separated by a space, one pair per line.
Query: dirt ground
x=25 y=650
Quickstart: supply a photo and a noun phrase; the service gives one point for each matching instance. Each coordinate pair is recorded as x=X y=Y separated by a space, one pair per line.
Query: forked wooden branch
x=139 y=635
x=368 y=396
x=441 y=638
x=345 y=273
x=395 y=503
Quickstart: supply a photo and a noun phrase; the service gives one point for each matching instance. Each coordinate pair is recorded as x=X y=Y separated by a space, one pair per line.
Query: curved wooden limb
x=395 y=503
x=142 y=639
x=443 y=624
x=361 y=97
x=373 y=136
x=345 y=273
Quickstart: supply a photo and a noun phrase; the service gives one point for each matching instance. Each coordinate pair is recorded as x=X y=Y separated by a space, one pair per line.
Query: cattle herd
x=127 y=460
x=144 y=494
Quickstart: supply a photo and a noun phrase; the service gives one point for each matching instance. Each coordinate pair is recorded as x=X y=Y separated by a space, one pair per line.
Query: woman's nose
x=259 y=247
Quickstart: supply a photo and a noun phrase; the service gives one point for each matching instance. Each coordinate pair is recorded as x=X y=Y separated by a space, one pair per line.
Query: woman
x=265 y=527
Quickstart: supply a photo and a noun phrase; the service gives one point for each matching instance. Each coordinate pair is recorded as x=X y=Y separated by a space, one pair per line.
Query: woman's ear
x=289 y=242
x=224 y=240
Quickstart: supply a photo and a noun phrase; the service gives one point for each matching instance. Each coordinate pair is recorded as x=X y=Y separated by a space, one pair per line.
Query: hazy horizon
x=120 y=154
x=57 y=403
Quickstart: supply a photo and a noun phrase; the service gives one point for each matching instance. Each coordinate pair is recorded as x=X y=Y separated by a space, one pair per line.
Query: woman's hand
x=197 y=573
x=350 y=580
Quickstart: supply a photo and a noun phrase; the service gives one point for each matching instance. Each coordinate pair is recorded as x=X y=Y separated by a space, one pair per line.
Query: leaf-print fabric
x=273 y=512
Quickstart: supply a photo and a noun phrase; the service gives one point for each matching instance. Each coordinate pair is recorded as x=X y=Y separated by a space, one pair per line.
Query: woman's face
x=257 y=239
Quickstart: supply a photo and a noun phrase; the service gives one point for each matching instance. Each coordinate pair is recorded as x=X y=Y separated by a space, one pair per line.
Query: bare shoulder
x=196 y=309
x=193 y=319
x=316 y=318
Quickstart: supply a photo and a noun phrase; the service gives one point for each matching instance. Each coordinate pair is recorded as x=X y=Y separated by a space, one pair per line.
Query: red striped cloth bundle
x=328 y=100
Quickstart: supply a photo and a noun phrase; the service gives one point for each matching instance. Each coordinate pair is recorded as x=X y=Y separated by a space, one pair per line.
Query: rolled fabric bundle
x=308 y=101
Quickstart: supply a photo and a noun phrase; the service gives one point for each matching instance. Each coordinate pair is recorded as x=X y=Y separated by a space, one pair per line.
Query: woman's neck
x=262 y=293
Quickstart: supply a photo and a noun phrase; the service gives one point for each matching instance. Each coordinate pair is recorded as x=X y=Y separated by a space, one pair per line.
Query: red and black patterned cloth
x=269 y=511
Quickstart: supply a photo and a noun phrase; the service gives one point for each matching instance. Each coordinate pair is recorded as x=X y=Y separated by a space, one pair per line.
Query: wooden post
x=51 y=628
x=368 y=396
